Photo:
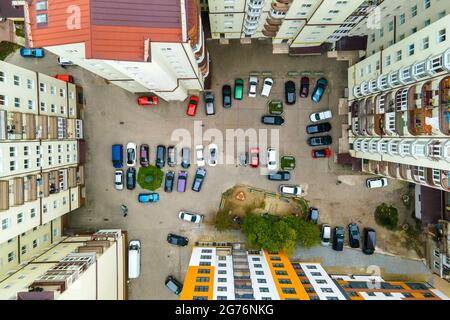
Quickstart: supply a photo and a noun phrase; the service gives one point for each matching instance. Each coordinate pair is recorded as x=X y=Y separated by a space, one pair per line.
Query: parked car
x=252 y=86
x=267 y=86
x=243 y=159
x=185 y=157
x=131 y=154
x=134 y=259
x=171 y=156
x=325 y=235
x=254 y=157
x=212 y=151
x=131 y=178
x=150 y=100
x=272 y=120
x=64 y=77
x=173 y=285
x=118 y=182
x=319 y=90
x=160 y=156
x=279 y=176
x=182 y=180
x=200 y=175
x=169 y=180
x=289 y=92
x=32 y=52
x=208 y=96
x=353 y=235
x=117 y=155
x=304 y=87
x=321 y=153
x=320 y=141
x=370 y=241
x=226 y=96
x=318 y=128
x=192 y=106
x=338 y=238
x=144 y=155
x=290 y=190
x=374 y=183
x=319 y=116
x=64 y=62
x=238 y=89
x=272 y=159
x=177 y=240
x=313 y=215
x=190 y=216
x=148 y=197
x=199 y=156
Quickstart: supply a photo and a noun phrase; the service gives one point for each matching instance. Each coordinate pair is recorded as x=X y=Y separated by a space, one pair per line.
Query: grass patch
x=6 y=48
x=386 y=216
x=287 y=163
x=150 y=177
x=19 y=27
x=275 y=107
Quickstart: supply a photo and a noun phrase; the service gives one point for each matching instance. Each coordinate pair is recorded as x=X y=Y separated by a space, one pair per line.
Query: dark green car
x=238 y=89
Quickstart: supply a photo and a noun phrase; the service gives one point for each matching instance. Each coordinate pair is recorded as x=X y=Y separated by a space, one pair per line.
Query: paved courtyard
x=112 y=116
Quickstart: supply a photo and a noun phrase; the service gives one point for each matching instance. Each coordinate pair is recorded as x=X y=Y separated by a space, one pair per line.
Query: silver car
x=209 y=103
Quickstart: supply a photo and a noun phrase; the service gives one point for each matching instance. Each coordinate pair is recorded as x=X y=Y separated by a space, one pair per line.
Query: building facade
x=139 y=48
x=228 y=271
x=438 y=249
x=79 y=267
x=41 y=169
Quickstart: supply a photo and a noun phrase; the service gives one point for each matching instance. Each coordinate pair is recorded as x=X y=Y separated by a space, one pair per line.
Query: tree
x=150 y=177
x=308 y=233
x=386 y=216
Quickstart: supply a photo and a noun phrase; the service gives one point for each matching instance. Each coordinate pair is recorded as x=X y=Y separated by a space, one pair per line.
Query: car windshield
x=269 y=119
x=192 y=102
x=130 y=154
x=267 y=83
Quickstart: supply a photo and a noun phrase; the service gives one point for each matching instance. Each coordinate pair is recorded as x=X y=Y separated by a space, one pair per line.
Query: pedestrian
x=124 y=210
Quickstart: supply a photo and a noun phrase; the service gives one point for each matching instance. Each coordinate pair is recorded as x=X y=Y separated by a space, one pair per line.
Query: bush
x=6 y=48
x=223 y=220
x=386 y=216
x=308 y=233
x=150 y=177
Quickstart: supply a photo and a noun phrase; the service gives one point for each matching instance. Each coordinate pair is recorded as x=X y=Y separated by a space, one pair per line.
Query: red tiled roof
x=112 y=29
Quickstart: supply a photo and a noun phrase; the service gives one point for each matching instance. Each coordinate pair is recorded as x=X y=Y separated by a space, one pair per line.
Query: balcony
x=445 y=182
x=30 y=186
x=271 y=28
x=14 y=126
x=269 y=34
x=18 y=192
x=254 y=13
x=280 y=7
x=4 y=195
x=362 y=118
x=421 y=110
x=389 y=116
x=393 y=169
x=256 y=4
x=405 y=172
x=370 y=115
x=42 y=127
x=53 y=181
x=355 y=125
x=273 y=22
x=274 y=14
x=444 y=94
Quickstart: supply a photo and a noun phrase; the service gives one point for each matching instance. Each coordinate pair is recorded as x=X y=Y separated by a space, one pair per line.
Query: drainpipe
x=183 y=21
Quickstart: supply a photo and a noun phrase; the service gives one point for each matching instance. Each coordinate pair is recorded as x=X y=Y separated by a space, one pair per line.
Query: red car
x=304 y=87
x=254 y=157
x=321 y=153
x=147 y=100
x=192 y=106
x=64 y=77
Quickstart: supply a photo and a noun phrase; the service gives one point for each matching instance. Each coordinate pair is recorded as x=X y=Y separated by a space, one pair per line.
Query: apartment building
x=293 y=23
x=150 y=46
x=78 y=267
x=399 y=111
x=438 y=249
x=41 y=169
x=229 y=271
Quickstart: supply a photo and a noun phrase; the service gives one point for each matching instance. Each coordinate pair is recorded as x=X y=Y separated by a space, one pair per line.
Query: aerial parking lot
x=112 y=116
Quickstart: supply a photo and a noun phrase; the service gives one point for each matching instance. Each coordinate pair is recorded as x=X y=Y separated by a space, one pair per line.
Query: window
x=17 y=102
x=43 y=106
x=12 y=165
x=321 y=281
x=16 y=80
x=201 y=288
x=30 y=104
x=205 y=263
x=277 y=265
x=3 y=100
x=222 y=289
x=12 y=151
x=316 y=274
x=256 y=259
x=425 y=43
x=436 y=253
x=413 y=11
x=263 y=289
x=2 y=76
x=5 y=223
x=381 y=32
x=206 y=250
x=284 y=281
x=23 y=250
x=329 y=290
x=33 y=213
x=281 y=272
x=41 y=5
x=222 y=265
x=311 y=267
x=413 y=30
x=52 y=90
x=55 y=232
x=399 y=55
x=202 y=279
x=402 y=19
x=45 y=238
x=288 y=290
x=62 y=92
x=437 y=265
x=261 y=280
x=41 y=18
x=26 y=164
x=391 y=25
x=259 y=273
x=11 y=256
x=257 y=265
x=221 y=298
x=411 y=49
x=222 y=279
x=204 y=271
x=387 y=61
x=441 y=36
x=426 y=4
x=205 y=257
x=222 y=272
x=42 y=87
x=30 y=84
x=442 y=14
x=275 y=258
x=52 y=108
x=35 y=243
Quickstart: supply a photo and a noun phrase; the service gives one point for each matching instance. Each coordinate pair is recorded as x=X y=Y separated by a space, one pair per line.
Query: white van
x=134 y=259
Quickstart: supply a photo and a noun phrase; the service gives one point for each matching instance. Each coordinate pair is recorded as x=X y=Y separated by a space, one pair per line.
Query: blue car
x=319 y=90
x=148 y=197
x=32 y=53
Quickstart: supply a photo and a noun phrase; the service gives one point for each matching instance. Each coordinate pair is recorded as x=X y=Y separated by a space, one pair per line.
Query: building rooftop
x=7 y=10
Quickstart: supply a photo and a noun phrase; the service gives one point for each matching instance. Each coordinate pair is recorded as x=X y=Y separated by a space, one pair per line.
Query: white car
x=64 y=62
x=374 y=183
x=268 y=82
x=290 y=190
x=272 y=161
x=190 y=216
x=199 y=156
x=118 y=179
x=325 y=235
x=131 y=154
x=212 y=151
x=319 y=116
x=252 y=86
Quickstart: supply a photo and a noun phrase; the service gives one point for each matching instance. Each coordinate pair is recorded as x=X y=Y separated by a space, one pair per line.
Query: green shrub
x=223 y=220
x=150 y=177
x=386 y=216
x=6 y=48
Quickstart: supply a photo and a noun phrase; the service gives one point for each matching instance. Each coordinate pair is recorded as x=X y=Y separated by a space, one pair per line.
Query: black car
x=289 y=92
x=304 y=87
x=338 y=239
x=320 y=141
x=168 y=182
x=226 y=96
x=370 y=240
x=173 y=285
x=177 y=240
x=318 y=128
x=272 y=120
x=131 y=178
x=160 y=156
x=279 y=176
x=353 y=235
x=198 y=179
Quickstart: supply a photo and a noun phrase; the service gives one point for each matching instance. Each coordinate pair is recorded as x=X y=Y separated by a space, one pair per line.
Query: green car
x=238 y=89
